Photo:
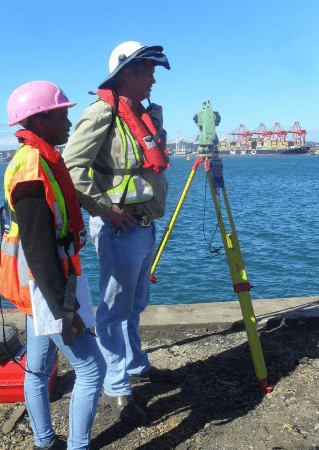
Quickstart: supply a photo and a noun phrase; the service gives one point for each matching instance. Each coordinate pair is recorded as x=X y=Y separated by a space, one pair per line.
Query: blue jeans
x=89 y=366
x=125 y=260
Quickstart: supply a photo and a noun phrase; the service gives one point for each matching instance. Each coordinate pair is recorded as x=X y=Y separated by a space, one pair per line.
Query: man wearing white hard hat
x=117 y=158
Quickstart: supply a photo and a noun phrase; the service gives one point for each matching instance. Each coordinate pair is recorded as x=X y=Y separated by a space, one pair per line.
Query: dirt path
x=215 y=402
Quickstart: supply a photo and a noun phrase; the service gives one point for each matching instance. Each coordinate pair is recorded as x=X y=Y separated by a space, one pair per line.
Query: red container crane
x=262 y=132
x=242 y=133
x=298 y=134
x=277 y=133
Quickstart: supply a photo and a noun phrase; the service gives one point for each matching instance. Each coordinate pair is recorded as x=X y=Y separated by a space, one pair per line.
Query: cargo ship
x=293 y=150
x=263 y=141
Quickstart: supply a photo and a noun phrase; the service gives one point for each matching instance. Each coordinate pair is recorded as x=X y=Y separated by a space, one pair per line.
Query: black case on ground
x=12 y=341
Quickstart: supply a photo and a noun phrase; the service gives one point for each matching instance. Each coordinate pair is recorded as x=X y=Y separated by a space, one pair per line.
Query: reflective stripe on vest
x=28 y=165
x=138 y=190
x=26 y=161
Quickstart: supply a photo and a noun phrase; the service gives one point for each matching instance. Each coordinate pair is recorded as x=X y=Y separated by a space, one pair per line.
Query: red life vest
x=144 y=131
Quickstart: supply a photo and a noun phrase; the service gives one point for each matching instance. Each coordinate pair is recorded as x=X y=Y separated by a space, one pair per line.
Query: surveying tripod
x=207 y=120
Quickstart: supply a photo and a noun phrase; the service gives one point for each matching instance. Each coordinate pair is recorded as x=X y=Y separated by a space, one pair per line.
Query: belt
x=137 y=212
x=136 y=208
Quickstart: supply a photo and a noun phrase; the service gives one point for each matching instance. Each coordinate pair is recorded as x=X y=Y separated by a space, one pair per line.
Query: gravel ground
x=214 y=401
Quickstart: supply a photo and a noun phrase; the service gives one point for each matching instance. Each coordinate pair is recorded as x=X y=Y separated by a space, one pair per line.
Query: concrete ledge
x=212 y=314
x=229 y=312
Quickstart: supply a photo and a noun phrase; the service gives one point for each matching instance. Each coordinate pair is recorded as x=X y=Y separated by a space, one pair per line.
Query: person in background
x=44 y=232
x=117 y=158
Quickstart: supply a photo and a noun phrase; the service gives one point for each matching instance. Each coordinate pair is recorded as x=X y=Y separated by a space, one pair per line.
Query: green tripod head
x=207 y=121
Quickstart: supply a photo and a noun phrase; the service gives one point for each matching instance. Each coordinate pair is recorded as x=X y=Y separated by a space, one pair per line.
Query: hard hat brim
x=153 y=53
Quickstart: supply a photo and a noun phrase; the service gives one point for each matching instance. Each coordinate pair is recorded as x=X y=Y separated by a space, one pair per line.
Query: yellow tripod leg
x=172 y=221
x=240 y=283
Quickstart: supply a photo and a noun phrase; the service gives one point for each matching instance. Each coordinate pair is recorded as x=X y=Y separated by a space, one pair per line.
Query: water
x=274 y=202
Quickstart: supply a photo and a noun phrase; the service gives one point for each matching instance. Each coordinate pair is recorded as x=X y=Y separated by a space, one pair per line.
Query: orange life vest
x=38 y=161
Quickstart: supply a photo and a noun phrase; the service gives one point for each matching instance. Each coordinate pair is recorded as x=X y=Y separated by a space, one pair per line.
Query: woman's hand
x=78 y=325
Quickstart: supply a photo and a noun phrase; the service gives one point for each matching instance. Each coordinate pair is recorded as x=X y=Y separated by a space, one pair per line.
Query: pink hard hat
x=35 y=97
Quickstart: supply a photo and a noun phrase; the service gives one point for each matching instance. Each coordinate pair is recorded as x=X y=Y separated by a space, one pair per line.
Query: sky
x=256 y=61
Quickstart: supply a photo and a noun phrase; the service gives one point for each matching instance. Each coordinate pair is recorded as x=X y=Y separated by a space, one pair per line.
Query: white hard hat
x=130 y=52
x=123 y=51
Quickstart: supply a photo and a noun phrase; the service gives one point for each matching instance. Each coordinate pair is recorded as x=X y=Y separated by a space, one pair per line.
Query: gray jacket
x=93 y=140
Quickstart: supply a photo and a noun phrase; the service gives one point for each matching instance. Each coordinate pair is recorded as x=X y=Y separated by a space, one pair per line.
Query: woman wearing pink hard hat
x=40 y=263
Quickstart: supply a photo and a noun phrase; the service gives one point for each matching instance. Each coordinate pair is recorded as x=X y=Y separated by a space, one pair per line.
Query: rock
x=263 y=434
x=11 y=422
x=304 y=360
x=175 y=349
x=193 y=380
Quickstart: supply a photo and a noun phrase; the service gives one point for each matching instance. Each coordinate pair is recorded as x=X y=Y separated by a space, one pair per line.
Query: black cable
x=12 y=357
x=212 y=251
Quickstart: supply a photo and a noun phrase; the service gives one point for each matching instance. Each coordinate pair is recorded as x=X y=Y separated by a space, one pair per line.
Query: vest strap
x=69 y=305
x=110 y=171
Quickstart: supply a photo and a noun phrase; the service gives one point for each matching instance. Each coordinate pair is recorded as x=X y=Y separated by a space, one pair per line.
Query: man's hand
x=78 y=325
x=119 y=217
